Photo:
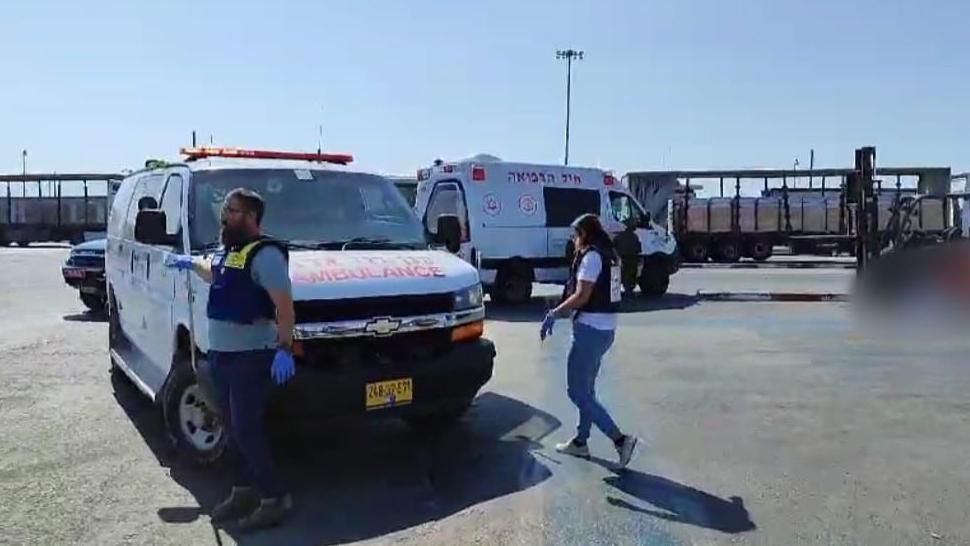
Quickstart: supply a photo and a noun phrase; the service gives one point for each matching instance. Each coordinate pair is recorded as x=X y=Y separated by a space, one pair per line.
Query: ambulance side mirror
x=151 y=226
x=449 y=232
x=147 y=202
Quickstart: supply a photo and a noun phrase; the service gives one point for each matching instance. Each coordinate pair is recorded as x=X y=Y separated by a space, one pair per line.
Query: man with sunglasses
x=250 y=322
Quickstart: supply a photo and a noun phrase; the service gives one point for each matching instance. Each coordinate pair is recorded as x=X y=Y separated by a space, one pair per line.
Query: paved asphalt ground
x=763 y=423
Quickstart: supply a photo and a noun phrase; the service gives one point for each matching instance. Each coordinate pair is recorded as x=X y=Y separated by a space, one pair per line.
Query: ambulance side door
x=563 y=206
x=160 y=281
x=134 y=307
x=448 y=197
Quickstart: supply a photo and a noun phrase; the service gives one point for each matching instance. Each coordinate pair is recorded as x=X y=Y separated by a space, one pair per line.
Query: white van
x=515 y=220
x=384 y=324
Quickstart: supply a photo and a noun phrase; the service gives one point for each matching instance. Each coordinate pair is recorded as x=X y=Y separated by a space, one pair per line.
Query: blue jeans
x=585 y=356
x=242 y=381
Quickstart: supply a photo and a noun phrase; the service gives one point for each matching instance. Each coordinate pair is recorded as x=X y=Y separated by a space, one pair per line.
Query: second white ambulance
x=515 y=220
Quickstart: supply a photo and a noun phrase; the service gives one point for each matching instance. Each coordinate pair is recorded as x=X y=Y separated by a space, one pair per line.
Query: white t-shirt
x=589 y=271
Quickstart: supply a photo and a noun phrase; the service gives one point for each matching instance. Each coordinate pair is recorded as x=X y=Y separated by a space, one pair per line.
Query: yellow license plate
x=387 y=394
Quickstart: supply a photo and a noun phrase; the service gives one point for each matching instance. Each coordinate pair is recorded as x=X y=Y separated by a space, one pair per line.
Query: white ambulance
x=385 y=326
x=515 y=220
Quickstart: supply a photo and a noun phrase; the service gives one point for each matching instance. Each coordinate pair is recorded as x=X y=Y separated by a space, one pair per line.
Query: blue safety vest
x=234 y=296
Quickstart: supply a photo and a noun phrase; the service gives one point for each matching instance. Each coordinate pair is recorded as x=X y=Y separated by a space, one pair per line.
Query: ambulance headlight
x=469 y=298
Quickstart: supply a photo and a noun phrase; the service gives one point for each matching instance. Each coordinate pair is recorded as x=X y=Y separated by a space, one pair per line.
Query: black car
x=84 y=270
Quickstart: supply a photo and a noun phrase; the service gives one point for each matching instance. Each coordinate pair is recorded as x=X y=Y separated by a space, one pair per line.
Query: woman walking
x=591 y=297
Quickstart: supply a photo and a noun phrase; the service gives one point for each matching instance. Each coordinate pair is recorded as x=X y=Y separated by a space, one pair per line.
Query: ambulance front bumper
x=351 y=385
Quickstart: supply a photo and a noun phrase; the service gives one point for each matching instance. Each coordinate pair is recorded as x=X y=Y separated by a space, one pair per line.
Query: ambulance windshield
x=310 y=207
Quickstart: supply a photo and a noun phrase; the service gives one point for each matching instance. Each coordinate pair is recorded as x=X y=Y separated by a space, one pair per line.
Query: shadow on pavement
x=678 y=502
x=86 y=316
x=535 y=309
x=356 y=480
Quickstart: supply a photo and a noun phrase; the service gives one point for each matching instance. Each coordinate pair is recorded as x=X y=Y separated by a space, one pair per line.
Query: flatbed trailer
x=54 y=207
x=810 y=219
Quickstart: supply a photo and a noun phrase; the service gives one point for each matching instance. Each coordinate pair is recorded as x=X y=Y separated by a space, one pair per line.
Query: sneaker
x=270 y=513
x=241 y=501
x=574 y=449
x=625 y=450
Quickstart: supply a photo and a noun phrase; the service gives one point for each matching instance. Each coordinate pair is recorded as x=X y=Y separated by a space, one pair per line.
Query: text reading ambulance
x=515 y=220
x=384 y=325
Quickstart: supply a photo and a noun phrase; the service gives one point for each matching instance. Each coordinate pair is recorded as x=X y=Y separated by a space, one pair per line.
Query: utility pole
x=320 y=133
x=568 y=55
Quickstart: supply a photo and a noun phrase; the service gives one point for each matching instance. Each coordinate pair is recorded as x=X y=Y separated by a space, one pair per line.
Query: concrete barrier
x=807 y=297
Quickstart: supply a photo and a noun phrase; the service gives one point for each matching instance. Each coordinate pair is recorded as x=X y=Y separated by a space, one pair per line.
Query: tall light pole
x=23 y=157
x=569 y=55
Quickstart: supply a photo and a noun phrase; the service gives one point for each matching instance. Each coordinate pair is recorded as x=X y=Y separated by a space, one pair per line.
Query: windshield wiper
x=373 y=242
x=358 y=242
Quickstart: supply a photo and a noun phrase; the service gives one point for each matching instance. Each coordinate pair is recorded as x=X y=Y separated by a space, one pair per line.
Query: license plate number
x=387 y=394
x=74 y=273
x=89 y=289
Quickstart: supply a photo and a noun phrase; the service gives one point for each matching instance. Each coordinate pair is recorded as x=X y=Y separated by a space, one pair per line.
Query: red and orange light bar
x=210 y=151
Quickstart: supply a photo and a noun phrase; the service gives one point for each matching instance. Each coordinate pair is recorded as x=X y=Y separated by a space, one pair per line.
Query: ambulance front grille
x=366 y=308
x=397 y=352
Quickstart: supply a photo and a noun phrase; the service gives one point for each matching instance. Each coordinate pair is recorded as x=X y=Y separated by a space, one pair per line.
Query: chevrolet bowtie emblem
x=382 y=326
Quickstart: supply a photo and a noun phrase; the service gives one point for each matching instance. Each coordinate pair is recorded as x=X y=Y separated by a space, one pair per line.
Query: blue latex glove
x=179 y=261
x=547 y=323
x=283 y=367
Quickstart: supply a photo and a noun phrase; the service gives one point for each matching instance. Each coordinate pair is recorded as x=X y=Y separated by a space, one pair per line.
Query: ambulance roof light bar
x=210 y=151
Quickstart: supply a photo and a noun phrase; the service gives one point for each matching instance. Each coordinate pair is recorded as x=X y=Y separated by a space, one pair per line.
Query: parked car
x=84 y=270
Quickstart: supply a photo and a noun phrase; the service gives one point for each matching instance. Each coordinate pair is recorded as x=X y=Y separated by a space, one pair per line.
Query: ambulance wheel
x=513 y=283
x=761 y=250
x=195 y=428
x=654 y=284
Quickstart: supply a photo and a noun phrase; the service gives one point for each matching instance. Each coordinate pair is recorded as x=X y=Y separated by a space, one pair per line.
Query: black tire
x=513 y=283
x=440 y=420
x=94 y=302
x=728 y=251
x=654 y=283
x=696 y=251
x=199 y=445
x=23 y=244
x=761 y=250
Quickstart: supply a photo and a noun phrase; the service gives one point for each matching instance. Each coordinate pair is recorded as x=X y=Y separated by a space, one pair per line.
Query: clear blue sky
x=100 y=85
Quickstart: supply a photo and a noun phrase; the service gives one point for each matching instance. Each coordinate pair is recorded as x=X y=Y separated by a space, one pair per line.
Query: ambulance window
x=147 y=186
x=119 y=207
x=563 y=205
x=624 y=208
x=172 y=204
x=446 y=199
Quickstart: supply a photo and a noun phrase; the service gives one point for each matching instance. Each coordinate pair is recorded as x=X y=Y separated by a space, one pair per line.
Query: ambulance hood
x=329 y=274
